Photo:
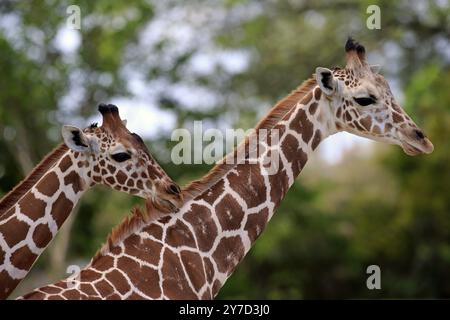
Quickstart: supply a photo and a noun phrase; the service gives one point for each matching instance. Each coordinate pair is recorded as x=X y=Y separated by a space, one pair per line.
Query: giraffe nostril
x=174 y=189
x=420 y=134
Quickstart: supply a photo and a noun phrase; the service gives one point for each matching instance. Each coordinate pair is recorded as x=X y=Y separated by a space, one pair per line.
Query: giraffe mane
x=19 y=190
x=139 y=216
x=129 y=223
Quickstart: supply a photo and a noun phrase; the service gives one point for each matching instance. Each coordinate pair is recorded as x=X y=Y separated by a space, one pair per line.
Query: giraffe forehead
x=132 y=141
x=120 y=140
x=370 y=84
x=365 y=88
x=121 y=136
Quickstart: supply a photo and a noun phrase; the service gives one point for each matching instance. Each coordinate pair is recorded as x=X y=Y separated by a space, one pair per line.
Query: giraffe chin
x=412 y=150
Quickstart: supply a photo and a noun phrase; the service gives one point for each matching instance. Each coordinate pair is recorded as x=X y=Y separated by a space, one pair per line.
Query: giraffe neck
x=29 y=225
x=224 y=222
x=244 y=201
x=190 y=254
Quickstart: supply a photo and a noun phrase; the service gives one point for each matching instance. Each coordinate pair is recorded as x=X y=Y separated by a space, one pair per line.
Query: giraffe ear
x=124 y=122
x=326 y=80
x=75 y=139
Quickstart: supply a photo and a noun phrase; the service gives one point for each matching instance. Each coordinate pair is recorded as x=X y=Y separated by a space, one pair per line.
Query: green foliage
x=423 y=202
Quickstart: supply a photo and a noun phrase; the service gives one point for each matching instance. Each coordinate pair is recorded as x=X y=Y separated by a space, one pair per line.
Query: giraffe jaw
x=414 y=148
x=410 y=150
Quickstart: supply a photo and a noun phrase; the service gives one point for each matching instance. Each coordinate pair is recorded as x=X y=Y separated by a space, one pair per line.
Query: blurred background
x=169 y=63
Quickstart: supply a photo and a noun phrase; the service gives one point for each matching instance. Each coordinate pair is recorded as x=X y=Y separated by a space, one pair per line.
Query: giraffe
x=33 y=212
x=190 y=254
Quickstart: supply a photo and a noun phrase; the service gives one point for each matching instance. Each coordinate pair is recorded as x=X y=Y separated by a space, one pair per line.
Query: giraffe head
x=363 y=104
x=113 y=156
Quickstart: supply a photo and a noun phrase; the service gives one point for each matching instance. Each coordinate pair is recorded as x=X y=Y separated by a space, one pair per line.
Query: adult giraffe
x=189 y=255
x=32 y=213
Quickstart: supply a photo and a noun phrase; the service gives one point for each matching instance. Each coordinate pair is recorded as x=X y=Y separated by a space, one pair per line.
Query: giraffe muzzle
x=169 y=199
x=414 y=142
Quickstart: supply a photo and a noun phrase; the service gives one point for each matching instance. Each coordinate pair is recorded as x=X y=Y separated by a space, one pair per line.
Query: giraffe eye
x=121 y=156
x=365 y=101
